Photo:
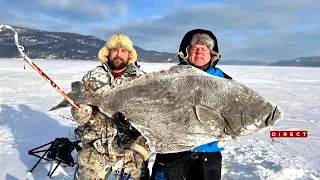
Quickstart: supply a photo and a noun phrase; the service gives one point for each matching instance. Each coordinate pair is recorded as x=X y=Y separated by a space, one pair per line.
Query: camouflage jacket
x=101 y=131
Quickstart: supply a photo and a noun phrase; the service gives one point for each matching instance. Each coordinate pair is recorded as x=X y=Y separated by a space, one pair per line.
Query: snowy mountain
x=302 y=61
x=298 y=62
x=62 y=45
x=41 y=44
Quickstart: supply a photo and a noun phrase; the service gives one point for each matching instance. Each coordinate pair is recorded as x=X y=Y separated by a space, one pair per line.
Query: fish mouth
x=273 y=117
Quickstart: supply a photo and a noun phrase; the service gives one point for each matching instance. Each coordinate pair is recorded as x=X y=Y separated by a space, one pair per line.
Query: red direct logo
x=288 y=134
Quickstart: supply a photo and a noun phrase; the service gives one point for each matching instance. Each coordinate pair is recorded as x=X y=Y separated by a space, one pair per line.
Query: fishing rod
x=35 y=67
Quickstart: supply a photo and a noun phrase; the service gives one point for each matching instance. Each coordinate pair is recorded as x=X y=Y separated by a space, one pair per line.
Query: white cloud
x=246 y=30
x=122 y=10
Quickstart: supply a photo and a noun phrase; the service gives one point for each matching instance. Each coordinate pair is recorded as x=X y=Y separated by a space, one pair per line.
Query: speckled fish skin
x=184 y=107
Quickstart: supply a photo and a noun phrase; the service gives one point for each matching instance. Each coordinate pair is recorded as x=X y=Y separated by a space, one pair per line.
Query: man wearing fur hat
x=109 y=144
x=198 y=48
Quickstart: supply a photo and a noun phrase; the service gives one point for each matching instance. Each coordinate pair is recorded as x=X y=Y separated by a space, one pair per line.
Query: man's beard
x=115 y=64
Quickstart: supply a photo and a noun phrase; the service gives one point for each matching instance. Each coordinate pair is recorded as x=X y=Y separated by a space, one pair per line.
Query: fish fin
x=77 y=91
x=157 y=142
x=63 y=103
x=206 y=115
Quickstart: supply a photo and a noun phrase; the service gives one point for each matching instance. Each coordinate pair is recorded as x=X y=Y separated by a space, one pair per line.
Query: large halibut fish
x=183 y=107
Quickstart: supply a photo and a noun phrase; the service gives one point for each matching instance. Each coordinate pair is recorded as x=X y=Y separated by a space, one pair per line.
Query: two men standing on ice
x=107 y=141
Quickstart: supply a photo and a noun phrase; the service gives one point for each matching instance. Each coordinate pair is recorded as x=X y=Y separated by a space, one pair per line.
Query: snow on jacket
x=100 y=136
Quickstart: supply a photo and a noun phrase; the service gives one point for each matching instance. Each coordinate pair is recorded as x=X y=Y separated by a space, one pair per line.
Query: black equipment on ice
x=59 y=151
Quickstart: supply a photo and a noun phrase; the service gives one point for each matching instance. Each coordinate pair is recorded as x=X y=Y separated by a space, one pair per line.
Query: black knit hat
x=187 y=40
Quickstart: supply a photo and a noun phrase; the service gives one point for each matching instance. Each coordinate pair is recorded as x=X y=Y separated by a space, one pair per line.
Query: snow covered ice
x=26 y=123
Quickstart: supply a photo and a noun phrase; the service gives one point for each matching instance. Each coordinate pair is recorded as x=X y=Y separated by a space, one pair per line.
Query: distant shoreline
x=219 y=64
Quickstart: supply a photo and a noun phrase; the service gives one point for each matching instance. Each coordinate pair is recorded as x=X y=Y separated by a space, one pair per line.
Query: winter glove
x=126 y=133
x=83 y=114
x=121 y=121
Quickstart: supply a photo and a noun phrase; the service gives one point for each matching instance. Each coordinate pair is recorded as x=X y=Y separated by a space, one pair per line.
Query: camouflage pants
x=93 y=165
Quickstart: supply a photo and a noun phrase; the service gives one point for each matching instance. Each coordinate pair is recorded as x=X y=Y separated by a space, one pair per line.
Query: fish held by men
x=183 y=107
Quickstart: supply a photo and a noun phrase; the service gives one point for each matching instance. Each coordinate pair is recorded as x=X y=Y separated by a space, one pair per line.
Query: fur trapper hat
x=199 y=36
x=118 y=40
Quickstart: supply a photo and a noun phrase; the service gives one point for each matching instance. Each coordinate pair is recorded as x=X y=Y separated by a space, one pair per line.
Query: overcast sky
x=266 y=30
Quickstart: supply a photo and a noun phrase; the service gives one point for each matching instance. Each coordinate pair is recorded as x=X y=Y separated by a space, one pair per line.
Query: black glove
x=126 y=132
x=122 y=122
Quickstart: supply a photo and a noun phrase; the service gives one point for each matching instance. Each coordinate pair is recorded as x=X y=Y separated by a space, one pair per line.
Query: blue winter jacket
x=213 y=146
